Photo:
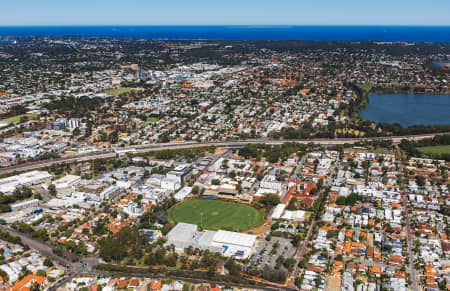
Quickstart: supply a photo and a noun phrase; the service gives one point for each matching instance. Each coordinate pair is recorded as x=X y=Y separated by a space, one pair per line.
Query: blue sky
x=224 y=12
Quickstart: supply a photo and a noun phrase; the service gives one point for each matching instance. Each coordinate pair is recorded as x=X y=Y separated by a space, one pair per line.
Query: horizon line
x=230 y=25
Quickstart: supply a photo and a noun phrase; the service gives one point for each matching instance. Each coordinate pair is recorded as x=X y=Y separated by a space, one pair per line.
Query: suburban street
x=38 y=246
x=304 y=247
x=409 y=238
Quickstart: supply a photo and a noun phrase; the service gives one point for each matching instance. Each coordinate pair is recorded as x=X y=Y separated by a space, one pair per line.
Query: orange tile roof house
x=374 y=270
x=28 y=281
x=156 y=286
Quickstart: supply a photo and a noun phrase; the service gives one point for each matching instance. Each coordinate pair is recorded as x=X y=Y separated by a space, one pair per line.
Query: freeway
x=109 y=153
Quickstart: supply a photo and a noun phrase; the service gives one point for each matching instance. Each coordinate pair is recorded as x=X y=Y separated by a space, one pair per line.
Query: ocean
x=315 y=33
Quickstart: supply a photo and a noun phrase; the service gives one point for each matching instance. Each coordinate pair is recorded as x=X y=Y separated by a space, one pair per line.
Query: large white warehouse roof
x=234 y=238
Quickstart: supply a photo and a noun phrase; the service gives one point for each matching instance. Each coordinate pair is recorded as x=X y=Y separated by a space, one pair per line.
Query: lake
x=408 y=109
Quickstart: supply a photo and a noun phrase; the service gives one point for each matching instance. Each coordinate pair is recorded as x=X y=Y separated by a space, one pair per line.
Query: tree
x=76 y=132
x=195 y=190
x=23 y=119
x=420 y=180
x=211 y=271
x=48 y=262
x=52 y=189
x=233 y=268
x=292 y=205
x=41 y=273
x=35 y=287
x=270 y=200
x=340 y=200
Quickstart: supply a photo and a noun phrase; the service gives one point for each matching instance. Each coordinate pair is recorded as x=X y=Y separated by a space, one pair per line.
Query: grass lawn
x=366 y=88
x=444 y=149
x=151 y=120
x=117 y=92
x=16 y=119
x=216 y=214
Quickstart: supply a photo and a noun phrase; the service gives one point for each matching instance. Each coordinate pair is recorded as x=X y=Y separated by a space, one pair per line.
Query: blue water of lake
x=408 y=109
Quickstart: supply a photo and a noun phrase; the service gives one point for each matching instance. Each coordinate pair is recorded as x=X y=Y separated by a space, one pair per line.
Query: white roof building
x=66 y=182
x=231 y=244
x=183 y=193
x=8 y=185
x=239 y=245
x=278 y=211
x=297 y=215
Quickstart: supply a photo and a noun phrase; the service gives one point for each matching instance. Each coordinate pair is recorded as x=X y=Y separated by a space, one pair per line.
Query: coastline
x=241 y=32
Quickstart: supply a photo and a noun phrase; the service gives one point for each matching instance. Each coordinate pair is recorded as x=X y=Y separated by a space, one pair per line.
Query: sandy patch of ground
x=334 y=283
x=260 y=229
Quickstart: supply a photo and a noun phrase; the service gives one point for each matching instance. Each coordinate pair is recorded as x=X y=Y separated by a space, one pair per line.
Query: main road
x=109 y=153
x=86 y=266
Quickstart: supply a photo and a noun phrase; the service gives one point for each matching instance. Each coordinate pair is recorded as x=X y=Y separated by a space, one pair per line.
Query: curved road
x=184 y=145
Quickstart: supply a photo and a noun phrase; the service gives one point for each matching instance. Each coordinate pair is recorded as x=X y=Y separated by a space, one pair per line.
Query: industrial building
x=66 y=182
x=8 y=185
x=24 y=204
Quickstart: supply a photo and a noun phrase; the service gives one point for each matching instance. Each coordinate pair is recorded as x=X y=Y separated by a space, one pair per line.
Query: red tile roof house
x=122 y=284
x=134 y=283
x=113 y=281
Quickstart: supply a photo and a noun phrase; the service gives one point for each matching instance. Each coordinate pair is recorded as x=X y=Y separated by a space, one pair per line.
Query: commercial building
x=271 y=182
x=183 y=193
x=133 y=209
x=179 y=174
x=111 y=192
x=228 y=243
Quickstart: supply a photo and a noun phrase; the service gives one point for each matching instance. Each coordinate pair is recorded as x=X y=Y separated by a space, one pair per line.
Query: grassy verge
x=379 y=150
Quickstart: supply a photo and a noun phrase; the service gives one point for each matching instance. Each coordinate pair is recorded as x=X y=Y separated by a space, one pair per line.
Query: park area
x=216 y=214
x=20 y=118
x=151 y=120
x=439 y=150
x=118 y=92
